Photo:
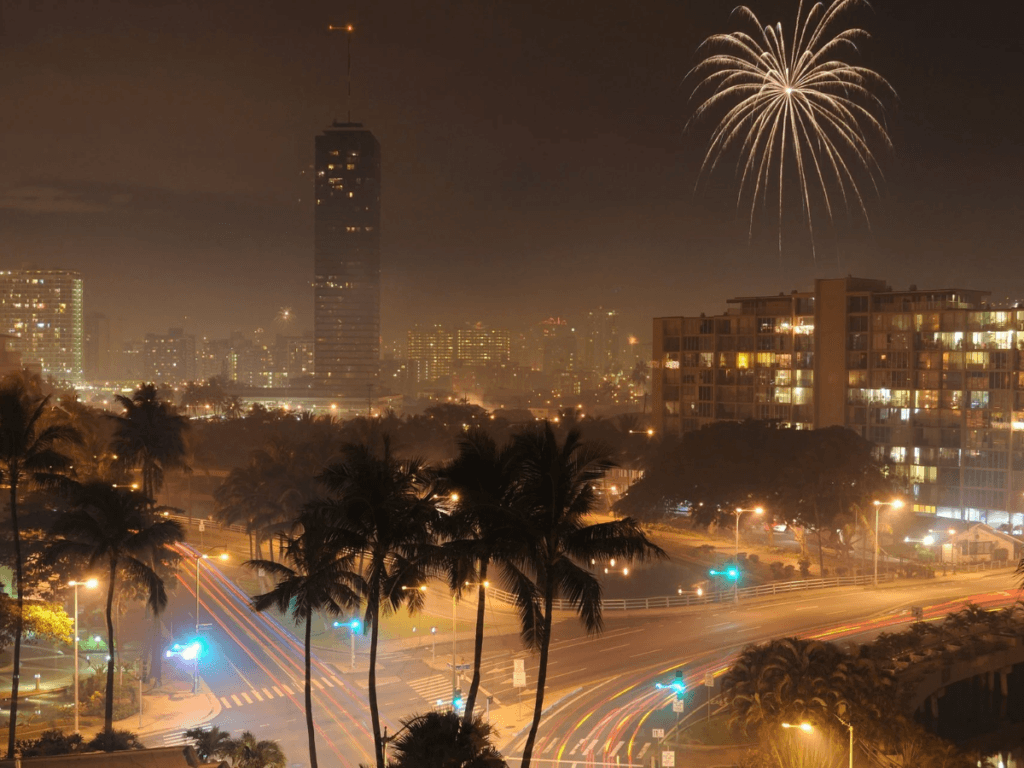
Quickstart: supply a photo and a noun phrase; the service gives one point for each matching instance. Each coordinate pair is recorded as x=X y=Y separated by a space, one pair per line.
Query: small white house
x=980 y=543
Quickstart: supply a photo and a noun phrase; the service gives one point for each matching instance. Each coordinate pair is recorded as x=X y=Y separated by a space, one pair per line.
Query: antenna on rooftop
x=348 y=29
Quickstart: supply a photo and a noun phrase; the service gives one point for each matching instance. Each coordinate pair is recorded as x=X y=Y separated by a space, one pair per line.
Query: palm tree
x=320 y=578
x=437 y=740
x=247 y=752
x=558 y=493
x=150 y=436
x=382 y=504
x=485 y=479
x=29 y=453
x=209 y=742
x=234 y=408
x=115 y=527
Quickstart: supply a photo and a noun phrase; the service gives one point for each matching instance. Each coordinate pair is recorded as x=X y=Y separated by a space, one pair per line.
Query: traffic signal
x=678 y=685
x=457 y=700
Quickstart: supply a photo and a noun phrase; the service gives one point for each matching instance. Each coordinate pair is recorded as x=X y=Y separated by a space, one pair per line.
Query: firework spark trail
x=797 y=105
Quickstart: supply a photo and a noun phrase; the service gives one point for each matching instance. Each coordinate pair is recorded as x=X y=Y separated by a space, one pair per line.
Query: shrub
x=805 y=567
x=115 y=741
x=789 y=571
x=776 y=567
x=754 y=558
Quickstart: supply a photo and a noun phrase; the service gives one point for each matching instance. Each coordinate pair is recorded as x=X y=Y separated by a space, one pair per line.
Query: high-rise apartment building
x=600 y=347
x=42 y=310
x=480 y=346
x=935 y=378
x=346 y=283
x=431 y=354
x=170 y=358
x=97 y=361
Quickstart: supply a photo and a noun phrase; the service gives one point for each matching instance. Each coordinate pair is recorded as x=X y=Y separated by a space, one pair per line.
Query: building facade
x=170 y=358
x=346 y=283
x=934 y=378
x=431 y=354
x=41 y=309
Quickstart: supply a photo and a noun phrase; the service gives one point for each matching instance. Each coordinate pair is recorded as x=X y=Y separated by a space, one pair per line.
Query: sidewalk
x=172 y=707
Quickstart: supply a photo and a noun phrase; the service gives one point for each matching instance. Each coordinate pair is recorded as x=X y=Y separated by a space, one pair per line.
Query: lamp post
x=90 y=583
x=808 y=728
x=739 y=511
x=200 y=557
x=894 y=504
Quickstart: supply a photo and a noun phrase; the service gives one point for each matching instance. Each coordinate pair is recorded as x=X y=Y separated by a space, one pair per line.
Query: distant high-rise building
x=601 y=350
x=346 y=284
x=96 y=350
x=42 y=310
x=431 y=354
x=482 y=346
x=170 y=358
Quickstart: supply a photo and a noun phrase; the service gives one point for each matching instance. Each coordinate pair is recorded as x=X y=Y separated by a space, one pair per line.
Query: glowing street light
x=808 y=728
x=894 y=504
x=90 y=584
x=352 y=624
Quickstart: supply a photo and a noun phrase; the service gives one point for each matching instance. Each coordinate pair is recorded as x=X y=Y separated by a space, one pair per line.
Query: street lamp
x=739 y=511
x=894 y=504
x=90 y=583
x=808 y=728
x=200 y=557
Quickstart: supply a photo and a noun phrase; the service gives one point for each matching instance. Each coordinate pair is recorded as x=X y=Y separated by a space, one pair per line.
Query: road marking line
x=329 y=683
x=643 y=751
x=590 y=749
x=617 y=748
x=237 y=700
x=577 y=746
x=563 y=674
x=278 y=691
x=317 y=683
x=615 y=648
x=646 y=653
x=256 y=694
x=336 y=680
x=268 y=693
x=289 y=690
x=552 y=743
x=225 y=702
x=246 y=697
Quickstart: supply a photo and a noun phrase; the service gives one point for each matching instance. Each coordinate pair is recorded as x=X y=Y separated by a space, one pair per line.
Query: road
x=254 y=666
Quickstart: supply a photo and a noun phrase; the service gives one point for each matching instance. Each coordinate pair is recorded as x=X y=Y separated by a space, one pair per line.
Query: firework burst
x=794 y=110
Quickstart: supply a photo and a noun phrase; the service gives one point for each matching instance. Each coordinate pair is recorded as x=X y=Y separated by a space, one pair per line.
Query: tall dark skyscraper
x=346 y=285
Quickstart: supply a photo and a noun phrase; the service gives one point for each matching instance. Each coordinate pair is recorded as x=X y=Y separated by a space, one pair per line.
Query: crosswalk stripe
x=317 y=683
x=643 y=751
x=268 y=693
x=257 y=695
x=590 y=749
x=173 y=739
x=615 y=751
x=237 y=700
x=289 y=690
x=576 y=746
x=225 y=702
x=247 y=699
x=278 y=691
x=336 y=680
x=329 y=683
x=550 y=747
x=432 y=688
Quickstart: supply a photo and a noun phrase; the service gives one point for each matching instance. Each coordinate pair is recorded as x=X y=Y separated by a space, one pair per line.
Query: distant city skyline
x=536 y=165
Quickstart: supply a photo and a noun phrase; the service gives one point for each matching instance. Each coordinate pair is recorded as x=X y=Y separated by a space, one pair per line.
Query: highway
x=254 y=667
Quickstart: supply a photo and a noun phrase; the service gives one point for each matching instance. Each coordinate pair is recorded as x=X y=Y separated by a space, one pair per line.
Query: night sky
x=535 y=158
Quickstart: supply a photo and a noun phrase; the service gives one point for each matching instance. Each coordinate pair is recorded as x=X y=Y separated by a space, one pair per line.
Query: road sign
x=709 y=679
x=668 y=759
x=460 y=667
x=519 y=673
x=657 y=733
x=202 y=526
x=678 y=705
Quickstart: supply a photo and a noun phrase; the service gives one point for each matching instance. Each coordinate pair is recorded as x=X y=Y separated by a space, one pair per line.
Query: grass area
x=715 y=732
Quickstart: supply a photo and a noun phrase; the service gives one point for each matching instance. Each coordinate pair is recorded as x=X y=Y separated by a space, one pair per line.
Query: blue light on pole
x=732 y=573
